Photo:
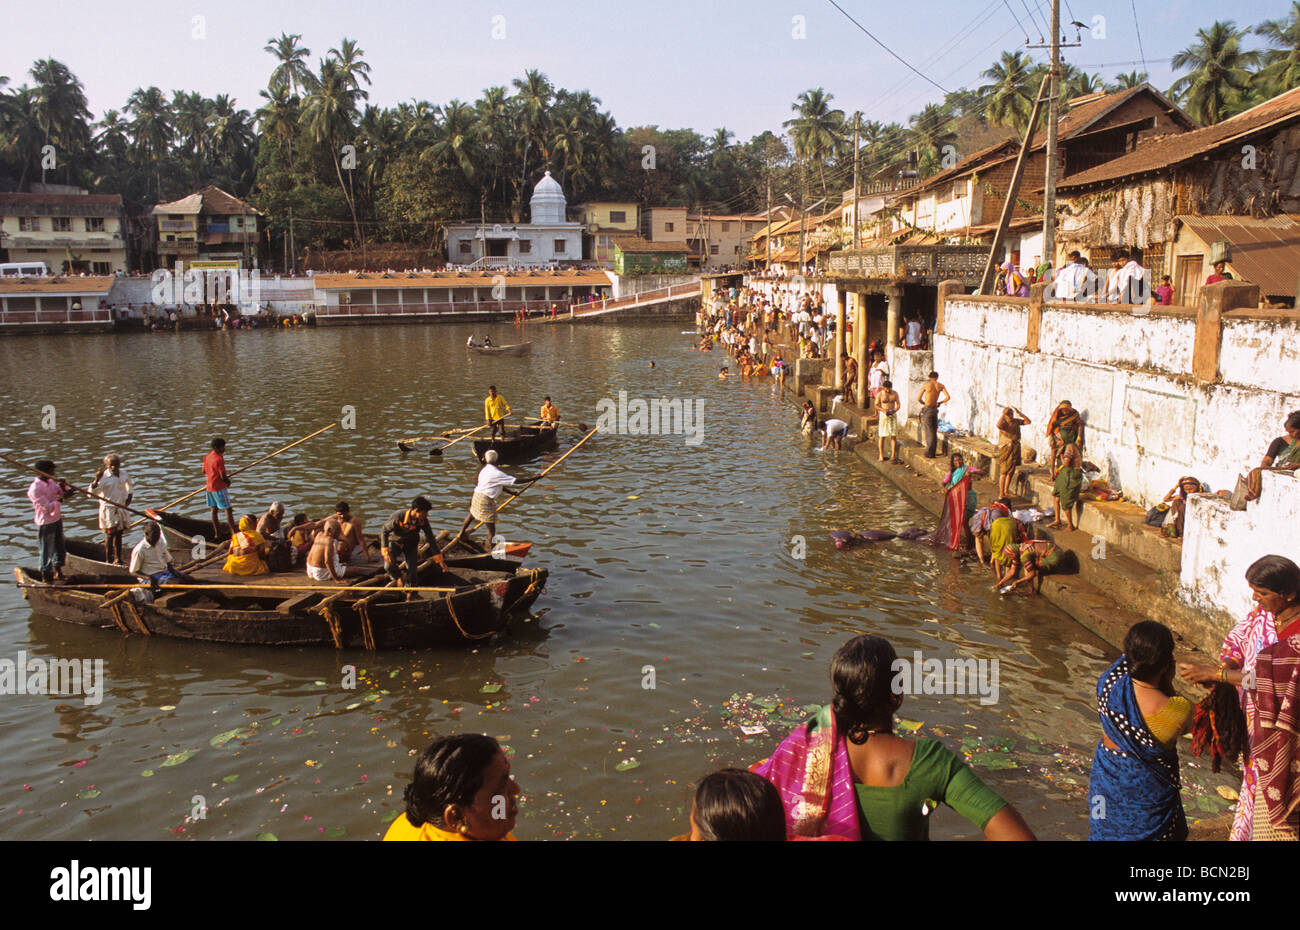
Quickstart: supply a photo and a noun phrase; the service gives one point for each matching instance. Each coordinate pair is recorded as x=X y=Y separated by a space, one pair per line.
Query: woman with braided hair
x=846 y=772
x=1275 y=587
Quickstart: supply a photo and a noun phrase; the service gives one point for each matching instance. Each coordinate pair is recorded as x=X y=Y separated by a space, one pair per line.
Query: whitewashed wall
x=1147 y=421
x=1219 y=544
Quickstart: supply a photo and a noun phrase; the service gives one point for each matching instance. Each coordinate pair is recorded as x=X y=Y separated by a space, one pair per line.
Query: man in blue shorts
x=218 y=498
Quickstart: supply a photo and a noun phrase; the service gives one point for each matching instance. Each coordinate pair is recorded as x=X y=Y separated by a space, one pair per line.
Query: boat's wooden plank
x=294 y=604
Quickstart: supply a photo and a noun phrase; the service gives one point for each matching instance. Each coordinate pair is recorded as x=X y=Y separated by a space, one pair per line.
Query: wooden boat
x=520 y=443
x=482 y=596
x=189 y=527
x=514 y=351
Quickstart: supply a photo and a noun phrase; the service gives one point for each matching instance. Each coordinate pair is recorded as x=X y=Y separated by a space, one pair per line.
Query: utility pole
x=767 y=238
x=803 y=181
x=1053 y=115
x=293 y=258
x=857 y=122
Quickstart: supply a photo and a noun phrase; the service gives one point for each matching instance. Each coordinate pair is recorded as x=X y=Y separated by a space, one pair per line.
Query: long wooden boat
x=483 y=596
x=513 y=351
x=519 y=443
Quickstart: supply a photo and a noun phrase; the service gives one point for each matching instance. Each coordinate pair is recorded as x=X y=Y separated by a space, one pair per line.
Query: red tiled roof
x=1176 y=149
x=447 y=279
x=210 y=200
x=635 y=244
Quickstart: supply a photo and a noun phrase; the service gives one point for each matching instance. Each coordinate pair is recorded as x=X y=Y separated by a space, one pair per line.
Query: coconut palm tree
x=61 y=110
x=329 y=119
x=532 y=103
x=932 y=131
x=278 y=118
x=353 y=66
x=1125 y=81
x=22 y=134
x=453 y=144
x=151 y=130
x=1082 y=84
x=1219 y=74
x=1281 y=70
x=1009 y=95
x=817 y=130
x=292 y=72
x=113 y=137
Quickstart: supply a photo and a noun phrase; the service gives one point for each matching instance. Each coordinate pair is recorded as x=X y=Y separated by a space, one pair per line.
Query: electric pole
x=767 y=238
x=857 y=121
x=1053 y=115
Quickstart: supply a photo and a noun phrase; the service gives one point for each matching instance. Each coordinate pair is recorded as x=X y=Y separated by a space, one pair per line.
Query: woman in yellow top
x=462 y=790
x=1134 y=789
x=495 y=409
x=247 y=551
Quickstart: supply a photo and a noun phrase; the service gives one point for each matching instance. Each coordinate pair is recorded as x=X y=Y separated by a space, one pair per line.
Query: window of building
x=560 y=247
x=525 y=247
x=29 y=224
x=713 y=250
x=668 y=227
x=466 y=247
x=101 y=267
x=726 y=226
x=618 y=216
x=94 y=224
x=63 y=224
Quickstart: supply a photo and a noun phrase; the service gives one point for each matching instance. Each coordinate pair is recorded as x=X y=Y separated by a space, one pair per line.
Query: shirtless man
x=323 y=559
x=352 y=539
x=887 y=405
x=933 y=395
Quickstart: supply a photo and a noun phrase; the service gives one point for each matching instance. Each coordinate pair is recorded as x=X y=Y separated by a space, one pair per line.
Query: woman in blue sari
x=1134 y=789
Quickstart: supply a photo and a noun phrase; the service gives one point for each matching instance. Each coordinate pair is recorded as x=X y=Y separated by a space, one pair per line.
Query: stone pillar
x=841 y=299
x=1037 y=294
x=860 y=348
x=1216 y=300
x=893 y=315
x=945 y=288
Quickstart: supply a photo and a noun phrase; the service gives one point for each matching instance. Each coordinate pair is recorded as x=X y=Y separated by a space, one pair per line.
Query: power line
x=1143 y=54
x=884 y=46
x=1018 y=22
x=1032 y=20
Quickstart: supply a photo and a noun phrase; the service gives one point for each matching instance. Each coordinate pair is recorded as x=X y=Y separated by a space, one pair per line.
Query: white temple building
x=549 y=239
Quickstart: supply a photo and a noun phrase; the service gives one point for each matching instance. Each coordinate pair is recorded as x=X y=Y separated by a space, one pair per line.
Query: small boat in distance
x=514 y=351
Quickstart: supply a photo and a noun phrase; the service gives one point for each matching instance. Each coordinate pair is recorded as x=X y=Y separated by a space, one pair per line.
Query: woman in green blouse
x=845 y=772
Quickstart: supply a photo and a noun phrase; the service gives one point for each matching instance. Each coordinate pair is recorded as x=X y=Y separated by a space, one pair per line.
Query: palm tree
x=1082 y=84
x=1125 y=81
x=151 y=129
x=292 y=71
x=453 y=145
x=190 y=117
x=932 y=131
x=1010 y=94
x=23 y=135
x=817 y=130
x=328 y=117
x=533 y=102
x=1219 y=77
x=493 y=126
x=1281 y=70
x=353 y=66
x=61 y=109
x=278 y=118
x=112 y=138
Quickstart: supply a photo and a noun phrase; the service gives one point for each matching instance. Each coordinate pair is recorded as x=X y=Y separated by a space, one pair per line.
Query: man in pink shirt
x=47 y=494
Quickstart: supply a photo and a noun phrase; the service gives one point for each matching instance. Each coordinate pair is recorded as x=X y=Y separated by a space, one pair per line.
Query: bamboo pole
x=227 y=588
x=181 y=500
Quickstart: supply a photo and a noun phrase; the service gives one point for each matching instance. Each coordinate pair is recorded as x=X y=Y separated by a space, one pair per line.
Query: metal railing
x=632 y=300
x=47 y=317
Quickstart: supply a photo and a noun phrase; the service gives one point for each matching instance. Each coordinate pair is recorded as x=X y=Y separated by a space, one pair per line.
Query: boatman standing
x=47 y=494
x=483 y=507
x=495 y=409
x=218 y=497
x=402 y=533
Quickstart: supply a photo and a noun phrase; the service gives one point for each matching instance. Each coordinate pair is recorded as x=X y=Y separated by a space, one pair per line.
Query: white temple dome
x=548 y=203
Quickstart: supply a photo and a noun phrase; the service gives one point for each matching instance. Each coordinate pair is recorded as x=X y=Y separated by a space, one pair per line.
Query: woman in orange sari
x=247 y=551
x=462 y=790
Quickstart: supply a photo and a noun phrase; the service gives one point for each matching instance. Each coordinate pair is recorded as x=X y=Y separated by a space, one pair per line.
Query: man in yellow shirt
x=550 y=413
x=495 y=409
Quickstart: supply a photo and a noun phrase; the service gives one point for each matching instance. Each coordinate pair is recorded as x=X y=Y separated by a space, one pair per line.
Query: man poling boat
x=483 y=506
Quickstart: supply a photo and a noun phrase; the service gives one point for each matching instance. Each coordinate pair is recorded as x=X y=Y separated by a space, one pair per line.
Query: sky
x=699 y=64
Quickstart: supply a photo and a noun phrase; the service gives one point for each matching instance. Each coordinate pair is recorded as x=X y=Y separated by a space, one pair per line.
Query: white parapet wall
x=1219 y=543
x=1129 y=371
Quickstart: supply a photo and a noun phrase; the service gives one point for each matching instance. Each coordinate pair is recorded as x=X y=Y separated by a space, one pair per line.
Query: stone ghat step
x=1120 y=523
x=1111 y=577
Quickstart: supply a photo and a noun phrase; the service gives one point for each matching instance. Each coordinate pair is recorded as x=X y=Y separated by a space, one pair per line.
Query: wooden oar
x=181 y=500
x=13 y=461
x=437 y=450
x=219 y=586
x=455 y=539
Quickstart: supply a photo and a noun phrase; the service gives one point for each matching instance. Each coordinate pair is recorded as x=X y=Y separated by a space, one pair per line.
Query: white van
x=23 y=270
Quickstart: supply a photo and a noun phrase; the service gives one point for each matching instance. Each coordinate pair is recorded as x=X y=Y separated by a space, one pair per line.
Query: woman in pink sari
x=959 y=505
x=846 y=773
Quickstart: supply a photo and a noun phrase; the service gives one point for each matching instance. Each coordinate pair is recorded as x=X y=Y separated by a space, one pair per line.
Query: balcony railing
x=918 y=264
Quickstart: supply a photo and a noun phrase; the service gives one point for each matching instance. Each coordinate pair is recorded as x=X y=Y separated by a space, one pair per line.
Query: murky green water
x=660 y=554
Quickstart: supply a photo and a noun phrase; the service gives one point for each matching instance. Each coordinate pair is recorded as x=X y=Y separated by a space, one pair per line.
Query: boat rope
x=332 y=620
x=532 y=586
x=367 y=631
x=116 y=611
x=139 y=617
x=464 y=632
